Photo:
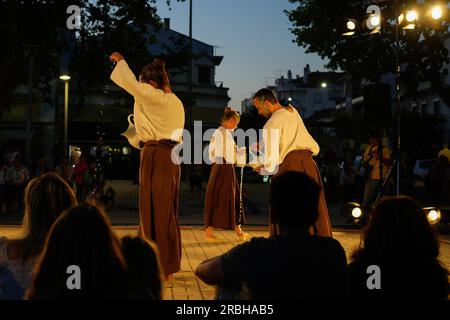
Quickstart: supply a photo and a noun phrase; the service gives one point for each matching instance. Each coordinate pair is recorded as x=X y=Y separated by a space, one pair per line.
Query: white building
x=315 y=91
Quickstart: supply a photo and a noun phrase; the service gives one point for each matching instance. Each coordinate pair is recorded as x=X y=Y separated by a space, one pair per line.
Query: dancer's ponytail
x=229 y=114
x=156 y=72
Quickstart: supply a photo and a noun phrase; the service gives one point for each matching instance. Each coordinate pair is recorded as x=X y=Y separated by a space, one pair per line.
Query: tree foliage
x=35 y=34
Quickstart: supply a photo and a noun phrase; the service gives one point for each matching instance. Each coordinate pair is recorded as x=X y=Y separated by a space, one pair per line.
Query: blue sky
x=252 y=35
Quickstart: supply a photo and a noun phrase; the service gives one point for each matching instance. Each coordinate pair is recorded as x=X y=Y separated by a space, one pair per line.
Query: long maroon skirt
x=302 y=161
x=222 y=205
x=158 y=202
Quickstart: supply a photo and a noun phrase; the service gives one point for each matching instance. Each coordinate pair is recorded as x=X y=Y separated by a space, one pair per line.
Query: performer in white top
x=288 y=146
x=158 y=113
x=222 y=205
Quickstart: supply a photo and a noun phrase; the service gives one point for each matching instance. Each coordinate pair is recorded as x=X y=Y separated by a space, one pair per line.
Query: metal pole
x=66 y=116
x=397 y=64
x=29 y=108
x=189 y=82
x=189 y=85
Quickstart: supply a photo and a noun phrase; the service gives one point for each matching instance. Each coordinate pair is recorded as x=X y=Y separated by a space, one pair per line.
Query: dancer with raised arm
x=159 y=120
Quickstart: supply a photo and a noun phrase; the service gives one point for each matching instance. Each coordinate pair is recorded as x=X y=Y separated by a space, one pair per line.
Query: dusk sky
x=252 y=35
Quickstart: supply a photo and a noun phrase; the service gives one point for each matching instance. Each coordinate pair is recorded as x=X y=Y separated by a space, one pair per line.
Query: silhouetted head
x=82 y=237
x=400 y=240
x=46 y=197
x=142 y=260
x=294 y=200
x=399 y=228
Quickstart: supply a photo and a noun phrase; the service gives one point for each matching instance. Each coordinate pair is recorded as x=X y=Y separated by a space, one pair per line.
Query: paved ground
x=196 y=249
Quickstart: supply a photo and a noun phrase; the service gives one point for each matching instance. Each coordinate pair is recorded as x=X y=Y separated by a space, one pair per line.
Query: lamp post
x=66 y=79
x=406 y=20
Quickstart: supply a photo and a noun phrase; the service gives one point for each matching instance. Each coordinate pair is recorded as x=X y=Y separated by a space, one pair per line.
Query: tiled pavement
x=196 y=249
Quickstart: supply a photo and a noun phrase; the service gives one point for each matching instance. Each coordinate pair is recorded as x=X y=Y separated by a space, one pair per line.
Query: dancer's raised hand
x=115 y=57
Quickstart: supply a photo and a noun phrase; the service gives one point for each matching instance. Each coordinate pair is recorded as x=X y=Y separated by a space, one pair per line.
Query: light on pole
x=66 y=79
x=406 y=20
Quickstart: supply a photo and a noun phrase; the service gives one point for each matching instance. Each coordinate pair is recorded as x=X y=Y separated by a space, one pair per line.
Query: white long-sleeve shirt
x=222 y=145
x=283 y=133
x=157 y=115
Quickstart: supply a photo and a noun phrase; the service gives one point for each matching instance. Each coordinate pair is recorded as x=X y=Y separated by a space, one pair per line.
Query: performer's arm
x=212 y=149
x=124 y=78
x=271 y=153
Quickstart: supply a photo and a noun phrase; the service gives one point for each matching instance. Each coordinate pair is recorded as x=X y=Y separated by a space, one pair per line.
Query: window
x=204 y=75
x=318 y=97
x=437 y=107
x=424 y=107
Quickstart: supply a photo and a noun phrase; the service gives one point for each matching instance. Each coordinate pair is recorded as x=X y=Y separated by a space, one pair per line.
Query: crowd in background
x=344 y=179
x=85 y=174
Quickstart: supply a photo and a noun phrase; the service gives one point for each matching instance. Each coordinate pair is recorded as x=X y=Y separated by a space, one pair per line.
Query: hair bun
x=159 y=62
x=227 y=109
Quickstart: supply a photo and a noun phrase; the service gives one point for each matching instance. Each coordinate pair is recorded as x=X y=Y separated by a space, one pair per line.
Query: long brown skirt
x=222 y=208
x=302 y=161
x=158 y=203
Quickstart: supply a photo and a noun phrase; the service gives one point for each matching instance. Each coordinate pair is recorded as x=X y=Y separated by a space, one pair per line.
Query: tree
x=36 y=37
x=317 y=26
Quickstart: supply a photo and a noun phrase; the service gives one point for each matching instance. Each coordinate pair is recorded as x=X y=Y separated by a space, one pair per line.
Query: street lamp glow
x=64 y=77
x=289 y=99
x=323 y=84
x=436 y=12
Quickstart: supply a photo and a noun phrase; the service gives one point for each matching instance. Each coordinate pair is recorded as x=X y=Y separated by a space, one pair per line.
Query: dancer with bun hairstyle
x=222 y=207
x=158 y=114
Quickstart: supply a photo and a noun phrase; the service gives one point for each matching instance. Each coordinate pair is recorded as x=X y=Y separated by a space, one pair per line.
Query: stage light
x=411 y=16
x=375 y=21
x=356 y=212
x=433 y=214
x=64 y=77
x=353 y=211
x=289 y=99
x=323 y=84
x=408 y=20
x=436 y=12
x=350 y=28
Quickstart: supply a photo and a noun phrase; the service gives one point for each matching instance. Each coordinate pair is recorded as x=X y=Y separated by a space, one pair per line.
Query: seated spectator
x=3 y=169
x=292 y=265
x=16 y=178
x=142 y=259
x=46 y=198
x=402 y=243
x=82 y=236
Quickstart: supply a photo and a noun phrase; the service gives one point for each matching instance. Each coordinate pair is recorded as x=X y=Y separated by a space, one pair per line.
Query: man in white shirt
x=288 y=146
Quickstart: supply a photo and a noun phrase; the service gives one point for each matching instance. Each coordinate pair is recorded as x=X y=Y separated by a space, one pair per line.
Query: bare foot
x=169 y=278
